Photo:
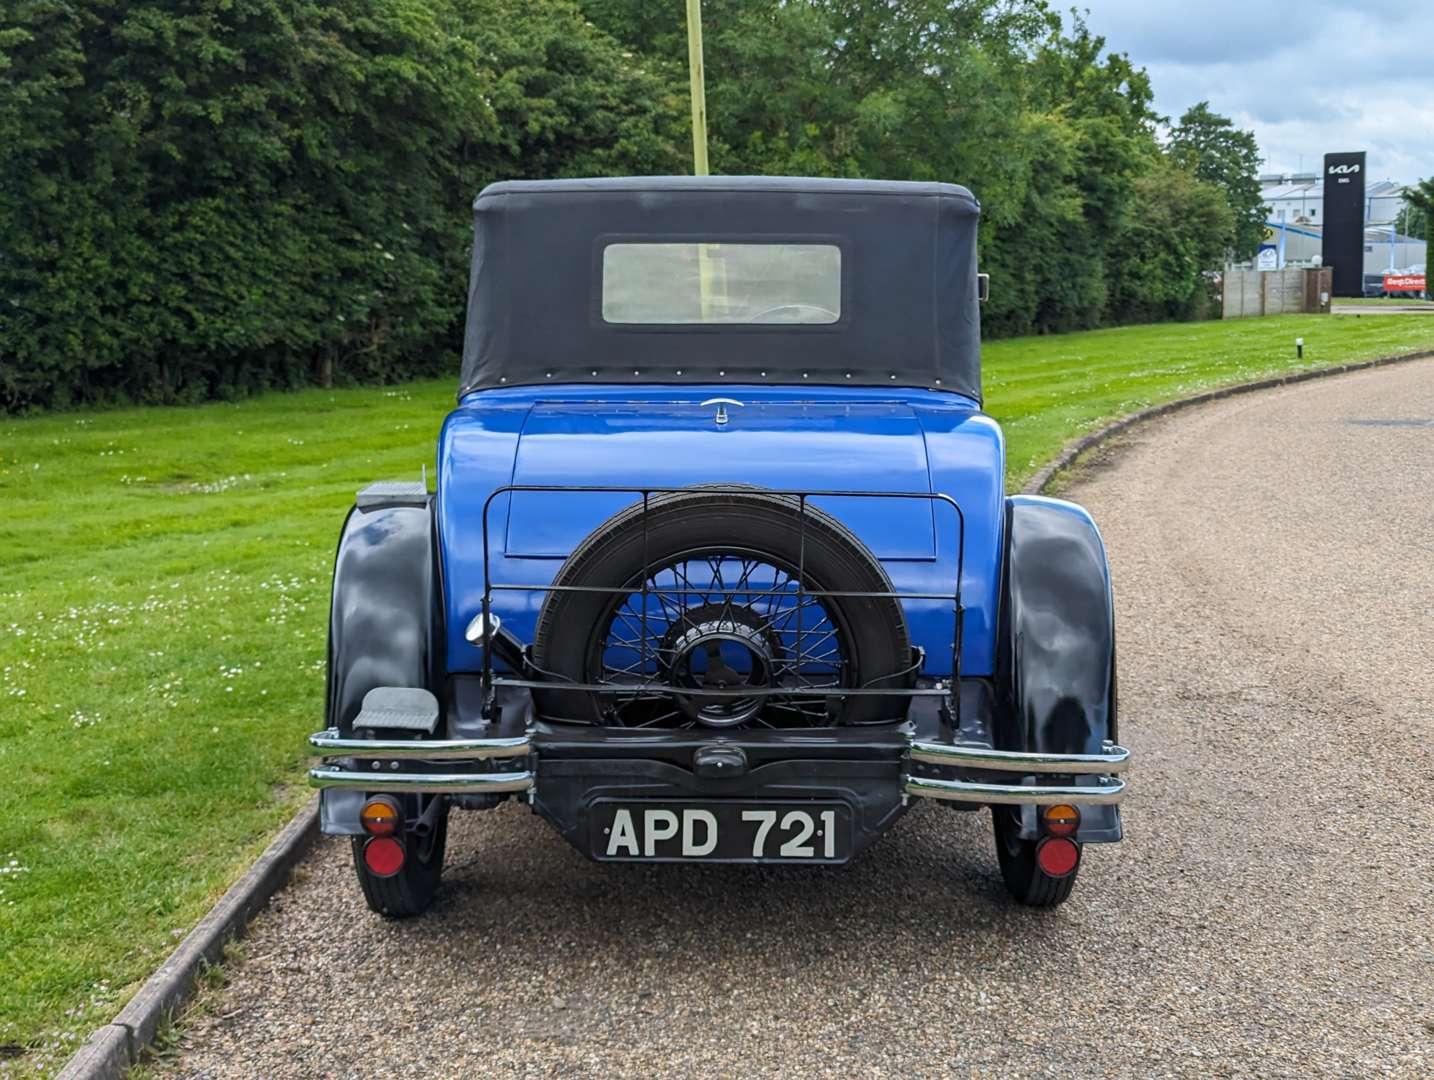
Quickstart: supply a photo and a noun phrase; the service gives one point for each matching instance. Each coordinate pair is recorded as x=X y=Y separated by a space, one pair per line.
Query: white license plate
x=720 y=831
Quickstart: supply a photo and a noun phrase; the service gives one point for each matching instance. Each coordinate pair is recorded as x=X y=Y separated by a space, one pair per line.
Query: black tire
x=758 y=524
x=1026 y=881
x=410 y=891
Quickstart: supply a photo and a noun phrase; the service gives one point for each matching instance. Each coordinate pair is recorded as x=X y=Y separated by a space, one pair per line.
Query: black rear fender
x=1056 y=650
x=1055 y=658
x=385 y=622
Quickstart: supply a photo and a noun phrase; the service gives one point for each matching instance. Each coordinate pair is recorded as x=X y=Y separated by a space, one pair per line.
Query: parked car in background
x=720 y=566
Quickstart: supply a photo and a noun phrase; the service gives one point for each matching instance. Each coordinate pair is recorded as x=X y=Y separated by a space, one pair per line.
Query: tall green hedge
x=205 y=198
x=209 y=198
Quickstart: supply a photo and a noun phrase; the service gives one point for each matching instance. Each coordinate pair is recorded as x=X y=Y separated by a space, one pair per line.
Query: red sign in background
x=1404 y=282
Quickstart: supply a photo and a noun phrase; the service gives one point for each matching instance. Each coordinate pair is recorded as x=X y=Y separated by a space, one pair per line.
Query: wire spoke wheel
x=707 y=609
x=720 y=620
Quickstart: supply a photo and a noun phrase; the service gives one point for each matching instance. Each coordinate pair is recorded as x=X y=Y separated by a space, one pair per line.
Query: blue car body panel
x=859 y=439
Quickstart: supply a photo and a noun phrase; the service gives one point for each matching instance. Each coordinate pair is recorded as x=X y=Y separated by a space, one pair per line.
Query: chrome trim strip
x=1109 y=791
x=428 y=783
x=330 y=743
x=1114 y=760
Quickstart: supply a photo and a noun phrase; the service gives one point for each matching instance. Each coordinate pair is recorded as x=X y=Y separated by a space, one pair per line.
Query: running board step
x=398 y=708
x=392 y=493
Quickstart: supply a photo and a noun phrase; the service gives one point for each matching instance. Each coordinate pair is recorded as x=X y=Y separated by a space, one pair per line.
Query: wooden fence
x=1297 y=291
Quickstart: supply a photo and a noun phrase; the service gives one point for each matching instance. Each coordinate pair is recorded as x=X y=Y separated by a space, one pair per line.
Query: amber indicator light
x=1061 y=820
x=380 y=817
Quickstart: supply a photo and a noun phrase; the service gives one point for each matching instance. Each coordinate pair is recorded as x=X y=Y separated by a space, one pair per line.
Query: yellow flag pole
x=699 y=91
x=705 y=275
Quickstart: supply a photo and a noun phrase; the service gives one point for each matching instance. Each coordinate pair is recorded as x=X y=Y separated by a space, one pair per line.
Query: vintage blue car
x=720 y=566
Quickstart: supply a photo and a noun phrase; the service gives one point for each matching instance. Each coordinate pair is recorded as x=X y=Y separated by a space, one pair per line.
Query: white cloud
x=1313 y=78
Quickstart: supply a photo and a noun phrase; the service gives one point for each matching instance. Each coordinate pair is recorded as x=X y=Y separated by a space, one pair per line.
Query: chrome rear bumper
x=377 y=765
x=331 y=744
x=424 y=783
x=1104 y=788
x=375 y=754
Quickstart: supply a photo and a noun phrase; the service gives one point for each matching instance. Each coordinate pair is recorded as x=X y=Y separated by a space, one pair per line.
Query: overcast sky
x=1308 y=78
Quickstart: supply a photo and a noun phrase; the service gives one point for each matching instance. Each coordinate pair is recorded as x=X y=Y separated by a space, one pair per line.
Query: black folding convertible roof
x=909 y=311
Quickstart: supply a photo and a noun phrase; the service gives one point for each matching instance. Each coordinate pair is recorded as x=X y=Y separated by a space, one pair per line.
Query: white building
x=1294 y=207
x=1292 y=196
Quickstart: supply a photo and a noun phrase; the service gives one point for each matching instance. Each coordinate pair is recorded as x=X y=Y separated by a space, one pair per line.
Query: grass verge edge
x=1079 y=447
x=110 y=1051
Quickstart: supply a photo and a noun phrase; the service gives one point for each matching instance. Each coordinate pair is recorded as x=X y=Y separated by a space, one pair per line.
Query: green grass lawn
x=163 y=602
x=1382 y=301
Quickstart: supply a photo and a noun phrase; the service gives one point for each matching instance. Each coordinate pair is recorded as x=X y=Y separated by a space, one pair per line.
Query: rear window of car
x=700 y=282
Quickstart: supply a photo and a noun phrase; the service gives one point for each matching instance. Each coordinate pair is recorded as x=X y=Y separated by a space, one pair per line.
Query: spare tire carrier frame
x=950 y=691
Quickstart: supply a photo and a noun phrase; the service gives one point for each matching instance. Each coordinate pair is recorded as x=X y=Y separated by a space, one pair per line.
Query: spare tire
x=704 y=602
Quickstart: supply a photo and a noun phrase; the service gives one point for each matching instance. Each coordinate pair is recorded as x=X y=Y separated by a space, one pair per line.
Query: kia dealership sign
x=1344 y=221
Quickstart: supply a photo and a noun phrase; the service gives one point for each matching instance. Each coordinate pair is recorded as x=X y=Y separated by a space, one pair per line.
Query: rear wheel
x=1021 y=869
x=410 y=891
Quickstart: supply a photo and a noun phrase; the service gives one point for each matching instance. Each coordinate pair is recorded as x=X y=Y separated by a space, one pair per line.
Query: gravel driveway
x=1270 y=914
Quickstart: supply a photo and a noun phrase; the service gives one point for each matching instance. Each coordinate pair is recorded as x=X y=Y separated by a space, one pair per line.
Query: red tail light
x=383 y=855
x=1057 y=856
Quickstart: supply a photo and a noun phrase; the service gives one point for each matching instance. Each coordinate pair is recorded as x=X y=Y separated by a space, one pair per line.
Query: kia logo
x=1341 y=169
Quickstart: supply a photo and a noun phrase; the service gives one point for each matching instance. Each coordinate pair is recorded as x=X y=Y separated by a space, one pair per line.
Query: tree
x=999 y=95
x=1411 y=220
x=1102 y=104
x=1213 y=149
x=208 y=199
x=1420 y=212
x=1180 y=227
